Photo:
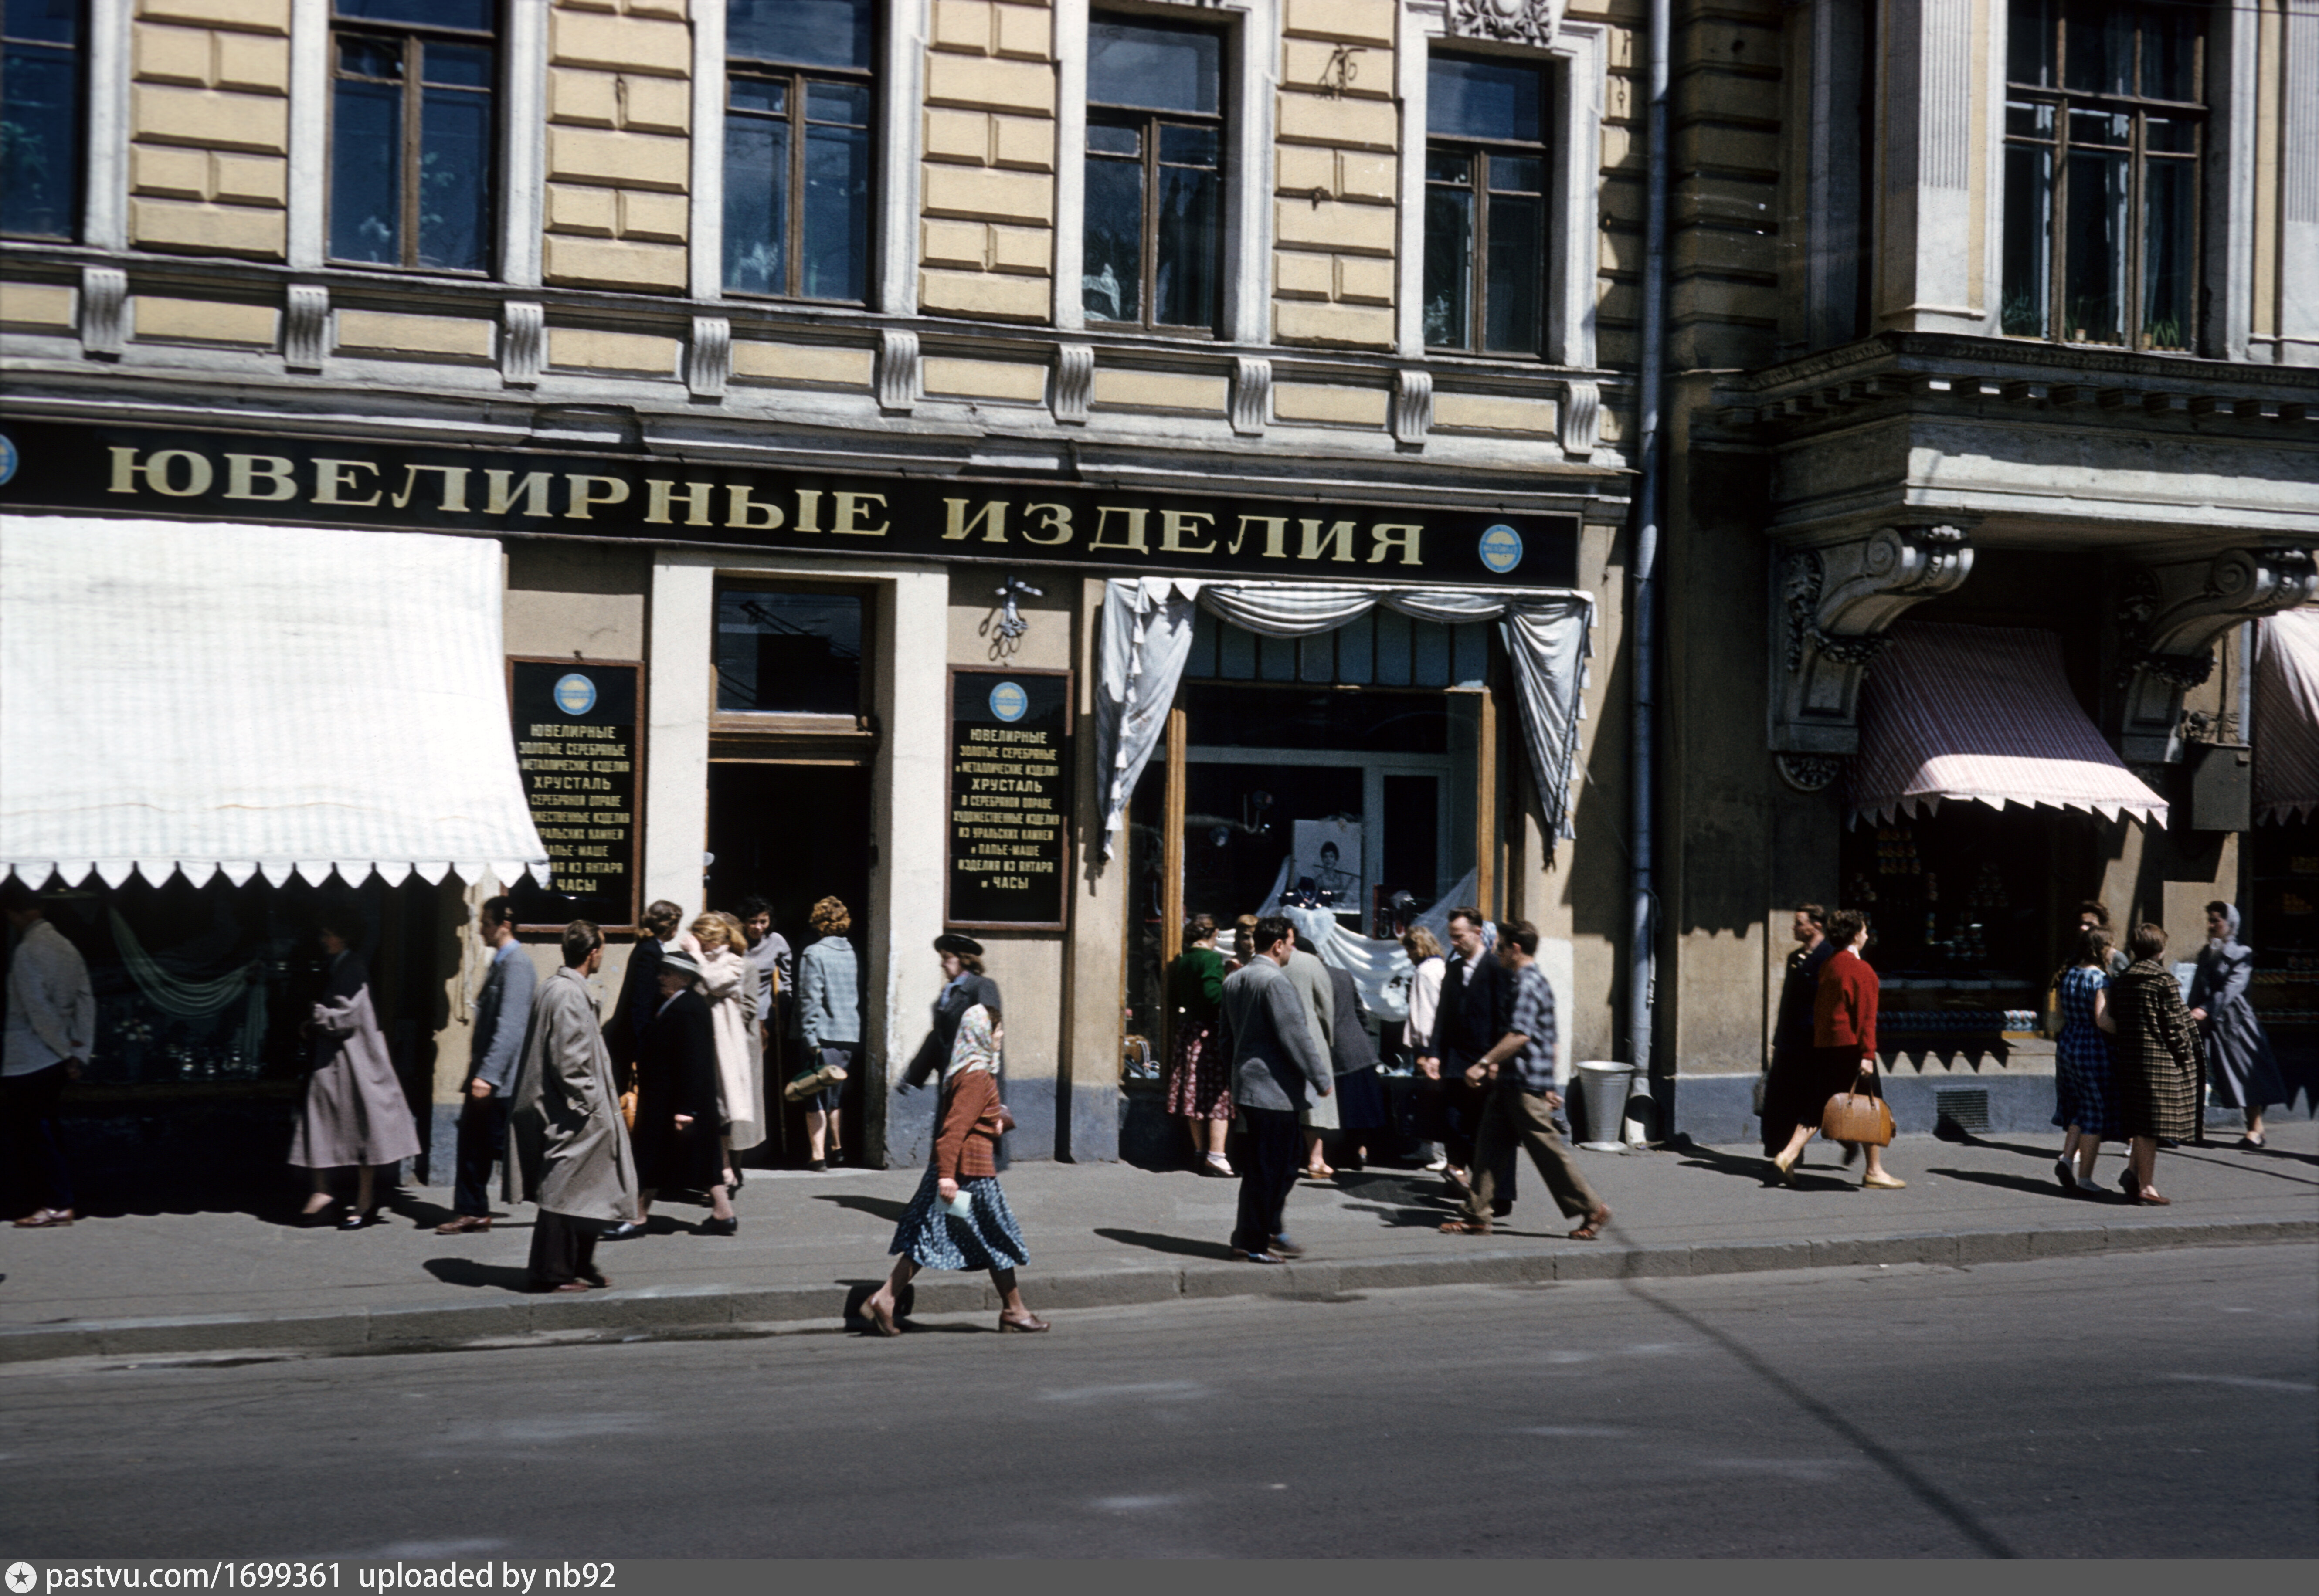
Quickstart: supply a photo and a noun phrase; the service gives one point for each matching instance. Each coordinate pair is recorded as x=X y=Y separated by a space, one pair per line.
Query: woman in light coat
x=1427 y=966
x=730 y=985
x=2240 y=1065
x=355 y=1111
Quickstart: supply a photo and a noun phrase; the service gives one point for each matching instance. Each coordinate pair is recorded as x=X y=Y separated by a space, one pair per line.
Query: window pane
x=2028 y=240
x=2097 y=49
x=1481 y=99
x=1111 y=271
x=1517 y=174
x=1189 y=147
x=1162 y=69
x=2029 y=118
x=2029 y=43
x=455 y=165
x=2093 y=290
x=1448 y=267
x=50 y=22
x=2169 y=134
x=1445 y=165
x=1111 y=140
x=476 y=15
x=2170 y=53
x=365 y=173
x=816 y=32
x=1190 y=214
x=836 y=251
x=2114 y=129
x=2168 y=190
x=763 y=96
x=1517 y=248
x=370 y=58
x=844 y=103
x=799 y=653
x=40 y=139
x=756 y=205
x=463 y=66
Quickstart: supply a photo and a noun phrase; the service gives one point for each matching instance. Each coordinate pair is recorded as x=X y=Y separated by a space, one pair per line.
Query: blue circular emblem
x=576 y=695
x=7 y=457
x=1502 y=549
x=1009 y=703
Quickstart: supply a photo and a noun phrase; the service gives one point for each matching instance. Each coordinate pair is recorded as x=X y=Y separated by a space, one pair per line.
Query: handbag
x=628 y=1107
x=1857 y=1116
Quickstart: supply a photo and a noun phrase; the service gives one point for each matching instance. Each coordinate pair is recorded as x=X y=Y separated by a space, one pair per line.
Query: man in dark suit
x=1476 y=1009
x=1276 y=1069
x=502 y=1010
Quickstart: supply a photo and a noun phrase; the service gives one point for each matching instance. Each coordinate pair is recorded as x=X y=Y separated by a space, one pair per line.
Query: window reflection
x=789 y=651
x=39 y=117
x=411 y=123
x=798 y=177
x=1485 y=197
x=1151 y=246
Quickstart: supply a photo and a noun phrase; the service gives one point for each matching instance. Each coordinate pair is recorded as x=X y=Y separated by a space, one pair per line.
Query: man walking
x=1517 y=1075
x=1472 y=1015
x=1275 y=1071
x=571 y=1145
x=1314 y=990
x=51 y=1029
x=501 y=1011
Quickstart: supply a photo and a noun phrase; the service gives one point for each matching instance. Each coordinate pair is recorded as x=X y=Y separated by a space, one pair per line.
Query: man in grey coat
x=569 y=1143
x=502 y=1009
x=1318 y=994
x=1276 y=1070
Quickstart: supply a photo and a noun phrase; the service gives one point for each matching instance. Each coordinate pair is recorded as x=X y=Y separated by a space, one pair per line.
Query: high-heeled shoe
x=713 y=1226
x=1030 y=1324
x=880 y=1317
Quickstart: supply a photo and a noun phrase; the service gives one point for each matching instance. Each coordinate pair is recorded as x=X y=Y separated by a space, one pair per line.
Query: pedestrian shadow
x=426 y=1214
x=1386 y=1188
x=1737 y=1165
x=1152 y=1241
x=1405 y=1219
x=2241 y=1162
x=461 y=1271
x=2014 y=1183
x=877 y=1207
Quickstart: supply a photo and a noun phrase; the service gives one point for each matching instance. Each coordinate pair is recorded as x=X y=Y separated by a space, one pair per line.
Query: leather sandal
x=1030 y=1324
x=1466 y=1227
x=1592 y=1229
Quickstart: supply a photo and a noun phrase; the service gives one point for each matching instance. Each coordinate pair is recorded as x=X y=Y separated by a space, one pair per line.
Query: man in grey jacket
x=502 y=1009
x=1275 y=1071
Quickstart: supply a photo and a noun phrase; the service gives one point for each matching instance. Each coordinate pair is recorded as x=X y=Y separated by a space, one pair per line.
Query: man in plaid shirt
x=1522 y=1103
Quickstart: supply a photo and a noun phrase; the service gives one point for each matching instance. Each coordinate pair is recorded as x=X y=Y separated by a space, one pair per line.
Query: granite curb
x=745 y=1309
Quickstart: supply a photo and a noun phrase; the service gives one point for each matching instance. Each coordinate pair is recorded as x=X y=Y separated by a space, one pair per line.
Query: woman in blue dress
x=2084 y=1087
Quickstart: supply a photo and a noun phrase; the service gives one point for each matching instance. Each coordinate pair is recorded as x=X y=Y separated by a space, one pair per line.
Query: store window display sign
x=367 y=483
x=1010 y=799
x=576 y=724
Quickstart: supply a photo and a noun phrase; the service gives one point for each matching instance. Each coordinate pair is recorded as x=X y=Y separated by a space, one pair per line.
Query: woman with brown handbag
x=1844 y=1042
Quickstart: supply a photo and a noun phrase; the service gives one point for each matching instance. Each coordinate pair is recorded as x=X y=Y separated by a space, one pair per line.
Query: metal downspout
x=1642 y=964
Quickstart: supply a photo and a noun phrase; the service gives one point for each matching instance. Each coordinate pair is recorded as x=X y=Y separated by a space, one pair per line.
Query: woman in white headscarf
x=2240 y=1066
x=960 y=1219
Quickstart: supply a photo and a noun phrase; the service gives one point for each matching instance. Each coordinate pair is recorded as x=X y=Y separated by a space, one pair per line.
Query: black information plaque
x=1010 y=799
x=575 y=742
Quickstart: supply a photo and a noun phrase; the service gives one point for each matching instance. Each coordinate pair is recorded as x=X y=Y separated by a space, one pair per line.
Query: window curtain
x=1147 y=636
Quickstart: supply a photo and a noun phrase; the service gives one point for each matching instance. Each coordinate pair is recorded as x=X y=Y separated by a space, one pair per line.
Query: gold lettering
x=244 y=473
x=808 y=510
x=1340 y=537
x=1391 y=537
x=1276 y=535
x=333 y=478
x=1052 y=518
x=746 y=513
x=455 y=487
x=534 y=488
x=695 y=498
x=991 y=518
x=848 y=514
x=1175 y=524
x=583 y=500
x=1135 y=519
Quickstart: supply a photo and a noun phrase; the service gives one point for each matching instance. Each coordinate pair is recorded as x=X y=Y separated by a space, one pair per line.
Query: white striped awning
x=1983 y=714
x=197 y=697
x=2287 y=716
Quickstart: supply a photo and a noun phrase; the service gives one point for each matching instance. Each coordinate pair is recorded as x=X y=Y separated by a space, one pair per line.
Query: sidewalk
x=811 y=1245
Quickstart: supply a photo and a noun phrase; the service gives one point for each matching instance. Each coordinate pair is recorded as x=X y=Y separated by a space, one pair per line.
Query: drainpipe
x=1642 y=964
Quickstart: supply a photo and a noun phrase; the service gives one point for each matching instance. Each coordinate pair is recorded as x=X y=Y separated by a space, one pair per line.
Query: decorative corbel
x=2170 y=620
x=1832 y=608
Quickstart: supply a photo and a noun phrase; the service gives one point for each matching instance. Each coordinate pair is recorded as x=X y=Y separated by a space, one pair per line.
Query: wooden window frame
x=413 y=38
x=1146 y=123
x=78 y=201
x=815 y=737
x=797 y=76
x=1477 y=151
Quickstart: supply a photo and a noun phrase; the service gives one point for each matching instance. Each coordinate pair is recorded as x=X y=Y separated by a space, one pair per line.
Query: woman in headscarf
x=960 y=1219
x=2239 y=1059
x=729 y=985
x=2157 y=1059
x=1200 y=1078
x=675 y=1136
x=355 y=1111
x=2085 y=1086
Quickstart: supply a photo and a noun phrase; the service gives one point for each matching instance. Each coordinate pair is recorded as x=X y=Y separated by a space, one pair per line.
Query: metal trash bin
x=1602 y=1088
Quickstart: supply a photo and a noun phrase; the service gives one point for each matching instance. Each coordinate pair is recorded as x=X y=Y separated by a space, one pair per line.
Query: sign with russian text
x=1010 y=799
x=575 y=744
x=373 y=483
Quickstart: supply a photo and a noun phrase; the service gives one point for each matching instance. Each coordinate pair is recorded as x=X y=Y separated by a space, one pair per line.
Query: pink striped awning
x=2287 y=716
x=1984 y=713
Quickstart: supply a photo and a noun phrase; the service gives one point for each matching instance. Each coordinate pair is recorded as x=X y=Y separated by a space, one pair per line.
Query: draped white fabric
x=205 y=698
x=1147 y=636
x=1380 y=969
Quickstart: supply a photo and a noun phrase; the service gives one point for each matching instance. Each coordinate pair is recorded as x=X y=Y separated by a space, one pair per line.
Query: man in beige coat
x=571 y=1146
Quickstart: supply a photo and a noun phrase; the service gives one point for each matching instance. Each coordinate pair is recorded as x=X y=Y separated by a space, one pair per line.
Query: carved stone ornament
x=1511 y=22
x=2169 y=621
x=1834 y=605
x=1809 y=773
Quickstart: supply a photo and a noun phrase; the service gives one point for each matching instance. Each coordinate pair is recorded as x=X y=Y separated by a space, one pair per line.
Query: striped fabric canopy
x=2287 y=716
x=1985 y=714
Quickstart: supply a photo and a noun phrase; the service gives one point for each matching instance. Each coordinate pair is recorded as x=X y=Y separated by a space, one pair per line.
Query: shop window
x=42 y=77
x=2104 y=117
x=1485 y=193
x=411 y=118
x=789 y=651
x=1153 y=249
x=798 y=105
x=2282 y=926
x=1380 y=649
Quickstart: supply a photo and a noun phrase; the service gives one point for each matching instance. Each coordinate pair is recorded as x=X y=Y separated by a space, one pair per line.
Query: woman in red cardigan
x=1843 y=1041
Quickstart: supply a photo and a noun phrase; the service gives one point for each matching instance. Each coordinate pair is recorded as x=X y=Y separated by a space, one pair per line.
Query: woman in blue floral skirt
x=2085 y=1087
x=960 y=1219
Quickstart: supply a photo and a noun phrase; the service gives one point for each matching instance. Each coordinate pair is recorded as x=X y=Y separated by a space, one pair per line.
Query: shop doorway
x=793 y=834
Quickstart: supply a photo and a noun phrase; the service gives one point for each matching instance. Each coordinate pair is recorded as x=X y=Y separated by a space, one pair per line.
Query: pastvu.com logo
x=21 y=1577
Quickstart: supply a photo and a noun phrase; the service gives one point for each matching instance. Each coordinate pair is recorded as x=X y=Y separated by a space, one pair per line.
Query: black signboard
x=575 y=742
x=378 y=482
x=1010 y=799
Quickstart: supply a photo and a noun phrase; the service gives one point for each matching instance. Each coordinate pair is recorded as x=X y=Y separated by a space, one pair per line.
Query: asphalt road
x=2139 y=1405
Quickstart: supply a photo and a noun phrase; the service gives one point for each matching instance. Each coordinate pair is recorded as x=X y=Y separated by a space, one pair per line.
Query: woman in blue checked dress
x=2085 y=1087
x=960 y=1219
